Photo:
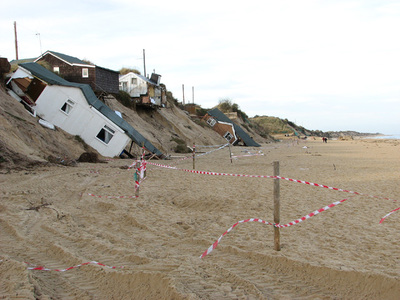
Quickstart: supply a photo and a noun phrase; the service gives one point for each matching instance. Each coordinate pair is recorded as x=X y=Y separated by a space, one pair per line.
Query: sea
x=386 y=136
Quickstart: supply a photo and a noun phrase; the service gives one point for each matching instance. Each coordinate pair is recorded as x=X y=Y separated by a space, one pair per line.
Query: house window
x=56 y=70
x=85 y=72
x=125 y=86
x=228 y=136
x=211 y=122
x=67 y=106
x=105 y=134
x=134 y=81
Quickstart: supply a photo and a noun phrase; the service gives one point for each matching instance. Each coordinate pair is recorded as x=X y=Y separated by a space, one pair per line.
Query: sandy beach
x=48 y=219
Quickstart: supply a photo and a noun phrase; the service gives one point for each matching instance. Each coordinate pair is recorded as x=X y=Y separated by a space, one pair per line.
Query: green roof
x=53 y=79
x=70 y=59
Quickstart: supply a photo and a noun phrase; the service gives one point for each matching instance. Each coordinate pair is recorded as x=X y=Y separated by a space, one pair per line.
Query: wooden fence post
x=230 y=152
x=136 y=176
x=194 y=156
x=277 y=208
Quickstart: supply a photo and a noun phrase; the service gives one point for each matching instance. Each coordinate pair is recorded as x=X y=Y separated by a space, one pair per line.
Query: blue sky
x=327 y=65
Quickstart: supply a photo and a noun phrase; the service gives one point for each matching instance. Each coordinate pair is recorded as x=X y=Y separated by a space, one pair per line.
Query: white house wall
x=82 y=120
x=134 y=90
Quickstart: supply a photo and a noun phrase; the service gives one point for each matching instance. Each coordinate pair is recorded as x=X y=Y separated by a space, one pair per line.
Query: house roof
x=20 y=61
x=72 y=60
x=220 y=116
x=122 y=77
x=53 y=79
x=67 y=58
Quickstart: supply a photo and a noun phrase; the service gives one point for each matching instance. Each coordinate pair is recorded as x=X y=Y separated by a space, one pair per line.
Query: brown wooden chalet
x=73 y=69
x=229 y=130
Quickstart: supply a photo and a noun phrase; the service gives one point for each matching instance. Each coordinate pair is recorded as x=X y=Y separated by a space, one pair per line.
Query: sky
x=325 y=65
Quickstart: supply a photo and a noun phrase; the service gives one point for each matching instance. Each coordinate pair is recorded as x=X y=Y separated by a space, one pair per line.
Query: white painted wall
x=134 y=90
x=82 y=120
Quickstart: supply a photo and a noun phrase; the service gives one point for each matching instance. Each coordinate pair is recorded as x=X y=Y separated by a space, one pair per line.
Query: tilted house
x=75 y=70
x=232 y=132
x=142 y=90
x=74 y=108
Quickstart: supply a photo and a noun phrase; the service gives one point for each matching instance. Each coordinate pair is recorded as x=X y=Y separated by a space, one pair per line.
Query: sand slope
x=342 y=253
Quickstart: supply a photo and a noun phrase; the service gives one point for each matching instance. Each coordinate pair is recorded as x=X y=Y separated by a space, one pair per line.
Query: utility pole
x=40 y=42
x=193 y=94
x=183 y=93
x=16 y=40
x=144 y=63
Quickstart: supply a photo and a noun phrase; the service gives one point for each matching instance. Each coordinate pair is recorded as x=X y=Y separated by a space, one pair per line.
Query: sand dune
x=341 y=253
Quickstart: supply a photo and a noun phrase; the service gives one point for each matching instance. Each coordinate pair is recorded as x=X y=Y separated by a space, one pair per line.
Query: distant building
x=100 y=79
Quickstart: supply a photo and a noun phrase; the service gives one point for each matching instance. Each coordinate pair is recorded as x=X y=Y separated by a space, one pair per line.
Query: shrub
x=182 y=148
x=125 y=99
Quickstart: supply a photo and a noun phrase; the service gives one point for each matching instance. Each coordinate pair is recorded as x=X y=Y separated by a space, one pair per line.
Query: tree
x=225 y=105
x=124 y=71
x=235 y=107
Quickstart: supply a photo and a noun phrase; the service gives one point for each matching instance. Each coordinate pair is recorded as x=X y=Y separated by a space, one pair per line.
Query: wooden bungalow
x=229 y=130
x=73 y=69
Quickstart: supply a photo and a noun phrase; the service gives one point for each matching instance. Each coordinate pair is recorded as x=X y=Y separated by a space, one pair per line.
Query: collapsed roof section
x=52 y=79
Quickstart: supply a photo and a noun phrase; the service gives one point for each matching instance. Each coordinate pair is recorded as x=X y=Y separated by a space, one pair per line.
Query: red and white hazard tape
x=140 y=174
x=112 y=197
x=40 y=268
x=213 y=246
x=198 y=155
x=383 y=219
x=247 y=155
x=211 y=151
x=329 y=187
x=211 y=146
x=142 y=168
x=312 y=214
x=274 y=177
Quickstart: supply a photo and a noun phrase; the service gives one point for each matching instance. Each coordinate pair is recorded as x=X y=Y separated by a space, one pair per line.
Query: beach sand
x=48 y=218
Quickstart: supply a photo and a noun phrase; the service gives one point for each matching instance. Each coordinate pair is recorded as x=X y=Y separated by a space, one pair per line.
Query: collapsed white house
x=74 y=108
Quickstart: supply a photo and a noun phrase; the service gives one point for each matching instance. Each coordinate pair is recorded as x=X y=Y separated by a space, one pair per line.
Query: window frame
x=85 y=72
x=211 y=122
x=69 y=105
x=228 y=134
x=108 y=134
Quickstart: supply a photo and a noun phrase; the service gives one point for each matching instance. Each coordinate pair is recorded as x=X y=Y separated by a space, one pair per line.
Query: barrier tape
x=383 y=219
x=247 y=155
x=272 y=177
x=202 y=154
x=212 y=146
x=143 y=168
x=213 y=246
x=140 y=174
x=211 y=151
x=312 y=214
x=40 y=268
x=112 y=197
